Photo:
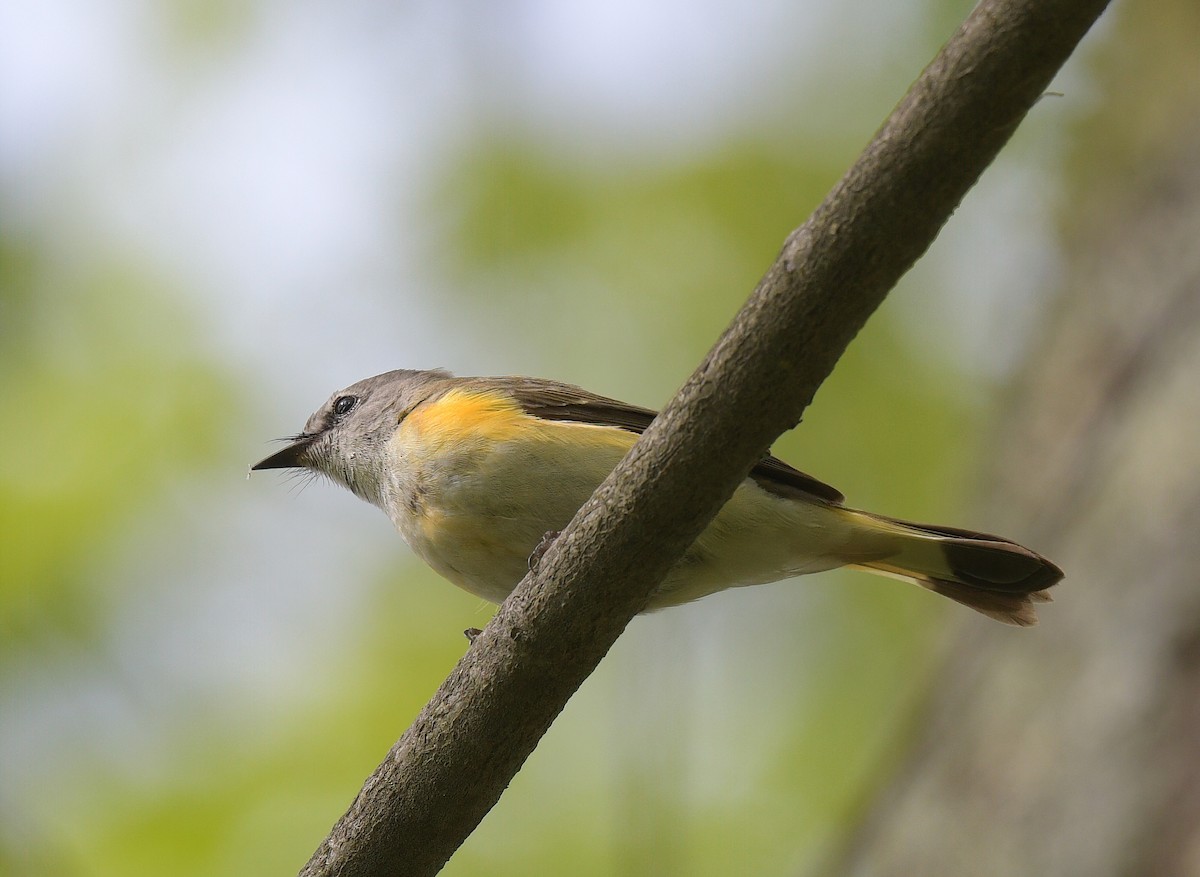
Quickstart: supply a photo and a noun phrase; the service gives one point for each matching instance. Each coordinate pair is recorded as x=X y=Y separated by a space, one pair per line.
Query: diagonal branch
x=466 y=745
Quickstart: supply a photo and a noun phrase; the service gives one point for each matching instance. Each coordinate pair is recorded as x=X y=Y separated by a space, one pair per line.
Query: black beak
x=289 y=457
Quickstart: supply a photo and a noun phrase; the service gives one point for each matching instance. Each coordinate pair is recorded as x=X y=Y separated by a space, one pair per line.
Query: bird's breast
x=476 y=483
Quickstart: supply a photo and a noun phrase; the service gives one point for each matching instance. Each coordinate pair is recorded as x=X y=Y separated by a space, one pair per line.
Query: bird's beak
x=291 y=457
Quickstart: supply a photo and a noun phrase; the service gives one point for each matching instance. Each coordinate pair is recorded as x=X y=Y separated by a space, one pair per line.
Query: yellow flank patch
x=464 y=415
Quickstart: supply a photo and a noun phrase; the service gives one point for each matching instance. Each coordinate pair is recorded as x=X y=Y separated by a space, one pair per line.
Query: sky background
x=213 y=215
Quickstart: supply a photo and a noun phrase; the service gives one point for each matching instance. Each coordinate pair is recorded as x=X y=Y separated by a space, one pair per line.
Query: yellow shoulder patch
x=465 y=415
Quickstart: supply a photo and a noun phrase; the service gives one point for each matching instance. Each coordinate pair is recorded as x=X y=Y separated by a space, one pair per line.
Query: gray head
x=346 y=438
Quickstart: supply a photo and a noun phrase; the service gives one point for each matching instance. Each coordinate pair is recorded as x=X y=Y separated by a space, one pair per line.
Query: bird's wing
x=551 y=400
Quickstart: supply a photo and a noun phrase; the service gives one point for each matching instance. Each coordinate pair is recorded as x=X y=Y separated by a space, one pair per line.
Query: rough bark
x=451 y=766
x=1077 y=751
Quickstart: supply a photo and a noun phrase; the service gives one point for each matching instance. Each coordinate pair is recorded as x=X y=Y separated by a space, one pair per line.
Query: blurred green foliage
x=654 y=261
x=106 y=409
x=251 y=793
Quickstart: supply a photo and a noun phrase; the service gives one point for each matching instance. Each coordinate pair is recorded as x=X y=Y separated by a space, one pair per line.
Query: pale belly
x=477 y=518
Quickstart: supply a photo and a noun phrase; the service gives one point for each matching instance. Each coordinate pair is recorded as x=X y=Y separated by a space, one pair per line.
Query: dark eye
x=342 y=405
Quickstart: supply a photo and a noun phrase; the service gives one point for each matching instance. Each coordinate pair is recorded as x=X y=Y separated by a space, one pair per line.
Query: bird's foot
x=541 y=548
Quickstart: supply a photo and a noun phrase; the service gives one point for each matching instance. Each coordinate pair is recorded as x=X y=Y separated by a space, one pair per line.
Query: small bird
x=476 y=472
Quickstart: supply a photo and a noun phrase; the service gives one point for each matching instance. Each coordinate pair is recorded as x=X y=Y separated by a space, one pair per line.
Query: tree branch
x=466 y=745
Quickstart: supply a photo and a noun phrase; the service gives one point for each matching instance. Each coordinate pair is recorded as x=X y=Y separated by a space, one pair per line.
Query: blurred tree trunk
x=1076 y=750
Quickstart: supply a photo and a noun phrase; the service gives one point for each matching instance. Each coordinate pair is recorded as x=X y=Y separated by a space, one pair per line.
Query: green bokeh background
x=197 y=672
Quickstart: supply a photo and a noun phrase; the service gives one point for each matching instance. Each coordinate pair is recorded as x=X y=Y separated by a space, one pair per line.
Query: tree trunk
x=1076 y=750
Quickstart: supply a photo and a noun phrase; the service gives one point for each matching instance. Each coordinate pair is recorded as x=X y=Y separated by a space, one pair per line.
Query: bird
x=477 y=472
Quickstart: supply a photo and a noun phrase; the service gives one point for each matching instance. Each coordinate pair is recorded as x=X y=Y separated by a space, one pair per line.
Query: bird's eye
x=342 y=405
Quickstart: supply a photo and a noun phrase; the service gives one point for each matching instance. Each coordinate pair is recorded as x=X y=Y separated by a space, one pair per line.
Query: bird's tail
x=992 y=575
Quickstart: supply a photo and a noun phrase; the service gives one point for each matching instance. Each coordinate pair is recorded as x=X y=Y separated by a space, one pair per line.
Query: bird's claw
x=541 y=548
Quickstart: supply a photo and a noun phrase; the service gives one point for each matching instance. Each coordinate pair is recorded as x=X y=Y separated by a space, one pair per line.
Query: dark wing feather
x=774 y=475
x=551 y=400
